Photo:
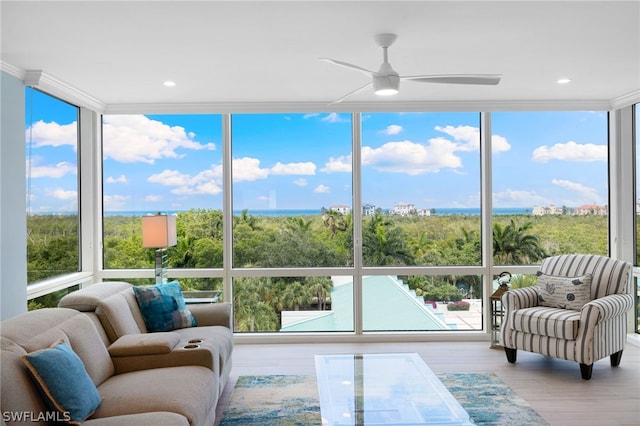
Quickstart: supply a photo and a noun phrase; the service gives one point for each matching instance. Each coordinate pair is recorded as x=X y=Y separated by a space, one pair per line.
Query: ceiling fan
x=386 y=81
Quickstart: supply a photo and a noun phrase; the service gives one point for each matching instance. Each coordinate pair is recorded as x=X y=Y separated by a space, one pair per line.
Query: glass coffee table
x=384 y=389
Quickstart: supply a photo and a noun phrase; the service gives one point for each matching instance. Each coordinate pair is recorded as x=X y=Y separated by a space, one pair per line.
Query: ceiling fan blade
x=348 y=65
x=488 y=79
x=355 y=92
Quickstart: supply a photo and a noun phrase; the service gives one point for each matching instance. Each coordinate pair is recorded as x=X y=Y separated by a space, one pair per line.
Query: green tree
x=383 y=243
x=514 y=245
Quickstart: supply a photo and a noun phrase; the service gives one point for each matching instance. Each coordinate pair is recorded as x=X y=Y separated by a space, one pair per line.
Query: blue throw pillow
x=162 y=307
x=62 y=378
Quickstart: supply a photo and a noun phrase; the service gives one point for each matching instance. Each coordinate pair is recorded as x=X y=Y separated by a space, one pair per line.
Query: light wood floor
x=552 y=386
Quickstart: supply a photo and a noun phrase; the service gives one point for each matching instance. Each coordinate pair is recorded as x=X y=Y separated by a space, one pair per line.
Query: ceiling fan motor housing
x=386 y=84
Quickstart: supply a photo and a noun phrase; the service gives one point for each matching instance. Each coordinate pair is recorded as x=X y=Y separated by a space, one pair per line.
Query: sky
x=303 y=161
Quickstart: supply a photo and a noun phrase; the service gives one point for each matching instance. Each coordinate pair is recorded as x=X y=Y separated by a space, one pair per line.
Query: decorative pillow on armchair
x=563 y=292
x=163 y=307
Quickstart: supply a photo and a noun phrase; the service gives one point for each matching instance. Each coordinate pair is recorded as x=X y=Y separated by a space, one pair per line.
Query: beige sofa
x=167 y=378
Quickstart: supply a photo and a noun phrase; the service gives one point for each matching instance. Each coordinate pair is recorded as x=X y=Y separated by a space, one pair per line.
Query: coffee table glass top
x=383 y=389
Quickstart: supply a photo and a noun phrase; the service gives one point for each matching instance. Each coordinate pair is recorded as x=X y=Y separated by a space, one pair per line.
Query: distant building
x=343 y=209
x=368 y=209
x=591 y=209
x=423 y=212
x=404 y=209
x=546 y=210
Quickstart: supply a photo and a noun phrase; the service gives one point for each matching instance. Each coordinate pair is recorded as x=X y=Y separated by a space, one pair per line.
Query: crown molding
x=348 y=107
x=12 y=70
x=53 y=86
x=626 y=100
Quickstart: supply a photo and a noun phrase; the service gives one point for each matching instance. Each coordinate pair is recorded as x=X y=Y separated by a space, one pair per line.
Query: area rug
x=293 y=401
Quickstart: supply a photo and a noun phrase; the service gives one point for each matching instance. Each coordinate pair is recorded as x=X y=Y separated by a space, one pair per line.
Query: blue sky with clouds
x=303 y=161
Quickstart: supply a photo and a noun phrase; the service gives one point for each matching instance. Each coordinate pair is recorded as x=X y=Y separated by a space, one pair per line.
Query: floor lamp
x=159 y=232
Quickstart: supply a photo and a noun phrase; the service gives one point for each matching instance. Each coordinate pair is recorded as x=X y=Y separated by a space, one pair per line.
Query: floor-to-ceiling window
x=421 y=208
x=550 y=186
x=292 y=201
x=53 y=222
x=168 y=164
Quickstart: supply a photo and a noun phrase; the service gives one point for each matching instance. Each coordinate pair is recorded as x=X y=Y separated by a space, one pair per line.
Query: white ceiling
x=264 y=51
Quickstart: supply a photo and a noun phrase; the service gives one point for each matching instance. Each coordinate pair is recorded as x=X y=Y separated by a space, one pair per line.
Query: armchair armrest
x=144 y=344
x=520 y=298
x=606 y=307
x=212 y=314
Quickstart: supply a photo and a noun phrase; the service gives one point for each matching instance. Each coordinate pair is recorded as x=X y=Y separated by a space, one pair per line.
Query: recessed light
x=169 y=83
x=564 y=80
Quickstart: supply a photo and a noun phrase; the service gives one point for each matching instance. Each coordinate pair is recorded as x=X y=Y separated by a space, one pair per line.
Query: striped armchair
x=585 y=335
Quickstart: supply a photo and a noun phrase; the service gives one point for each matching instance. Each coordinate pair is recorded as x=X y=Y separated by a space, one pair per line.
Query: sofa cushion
x=120 y=315
x=64 y=381
x=163 y=307
x=563 y=292
x=545 y=321
x=87 y=298
x=191 y=391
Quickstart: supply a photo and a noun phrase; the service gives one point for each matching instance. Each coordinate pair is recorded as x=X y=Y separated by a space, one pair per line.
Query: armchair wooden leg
x=585 y=371
x=615 y=359
x=511 y=354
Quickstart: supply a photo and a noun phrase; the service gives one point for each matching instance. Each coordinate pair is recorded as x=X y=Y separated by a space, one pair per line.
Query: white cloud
x=153 y=198
x=570 y=151
x=204 y=182
x=412 y=158
x=50 y=170
x=63 y=194
x=210 y=188
x=115 y=202
x=470 y=138
x=334 y=117
x=518 y=198
x=119 y=179
x=248 y=169
x=586 y=194
x=136 y=138
x=322 y=189
x=306 y=168
x=170 y=178
x=392 y=129
x=311 y=115
x=340 y=164
x=300 y=182
x=53 y=134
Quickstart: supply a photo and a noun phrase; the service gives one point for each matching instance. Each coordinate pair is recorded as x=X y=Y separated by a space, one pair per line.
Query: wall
x=13 y=224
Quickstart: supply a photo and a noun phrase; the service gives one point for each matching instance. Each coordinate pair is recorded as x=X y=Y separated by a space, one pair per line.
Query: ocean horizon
x=314 y=212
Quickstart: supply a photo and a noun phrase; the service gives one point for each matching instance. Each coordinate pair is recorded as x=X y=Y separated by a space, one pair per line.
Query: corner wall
x=13 y=222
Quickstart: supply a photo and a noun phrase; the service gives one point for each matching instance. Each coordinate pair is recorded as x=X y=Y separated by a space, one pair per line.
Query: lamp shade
x=159 y=231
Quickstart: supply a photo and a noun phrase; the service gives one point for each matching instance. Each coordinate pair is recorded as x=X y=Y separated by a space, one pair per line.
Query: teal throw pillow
x=163 y=307
x=64 y=381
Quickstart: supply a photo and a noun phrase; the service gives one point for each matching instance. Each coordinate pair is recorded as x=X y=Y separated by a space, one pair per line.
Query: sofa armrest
x=212 y=314
x=144 y=344
x=607 y=307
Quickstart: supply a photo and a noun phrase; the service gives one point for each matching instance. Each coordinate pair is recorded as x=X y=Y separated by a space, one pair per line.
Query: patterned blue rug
x=293 y=401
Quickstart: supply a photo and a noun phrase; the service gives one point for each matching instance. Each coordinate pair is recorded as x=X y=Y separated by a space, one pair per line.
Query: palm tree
x=383 y=243
x=320 y=289
x=513 y=245
x=334 y=221
x=295 y=295
x=247 y=219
